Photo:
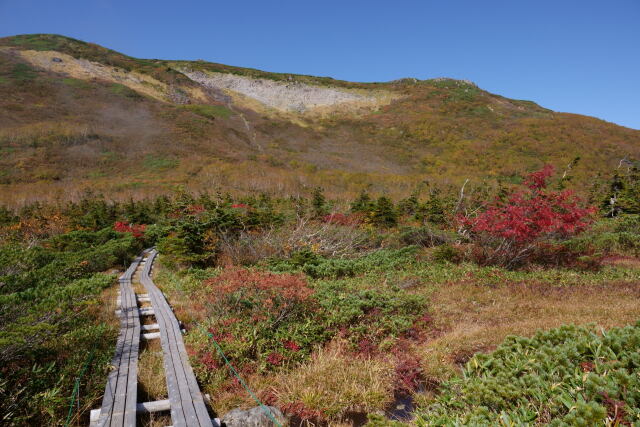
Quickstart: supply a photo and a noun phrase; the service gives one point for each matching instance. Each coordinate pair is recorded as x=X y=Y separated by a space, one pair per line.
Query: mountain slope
x=75 y=115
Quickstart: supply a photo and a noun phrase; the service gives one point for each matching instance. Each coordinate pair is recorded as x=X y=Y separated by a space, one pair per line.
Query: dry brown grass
x=473 y=318
x=335 y=384
x=151 y=378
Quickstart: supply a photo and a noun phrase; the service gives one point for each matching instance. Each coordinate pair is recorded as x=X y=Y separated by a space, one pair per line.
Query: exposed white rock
x=286 y=96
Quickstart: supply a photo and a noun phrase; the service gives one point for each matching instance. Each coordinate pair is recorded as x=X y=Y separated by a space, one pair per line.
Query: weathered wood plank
x=120 y=397
x=187 y=404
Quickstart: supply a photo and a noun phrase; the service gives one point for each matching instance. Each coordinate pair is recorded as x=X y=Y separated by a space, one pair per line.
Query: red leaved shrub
x=271 y=286
x=136 y=229
x=509 y=231
x=408 y=374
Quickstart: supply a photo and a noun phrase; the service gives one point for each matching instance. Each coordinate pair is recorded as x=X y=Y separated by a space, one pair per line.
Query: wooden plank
x=151 y=336
x=186 y=414
x=187 y=404
x=120 y=398
x=132 y=383
x=141 y=408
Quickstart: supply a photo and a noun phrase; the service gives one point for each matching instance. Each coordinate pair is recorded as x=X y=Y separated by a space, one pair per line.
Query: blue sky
x=574 y=56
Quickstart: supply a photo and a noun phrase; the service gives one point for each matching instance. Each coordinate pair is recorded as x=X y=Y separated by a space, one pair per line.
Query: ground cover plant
x=564 y=376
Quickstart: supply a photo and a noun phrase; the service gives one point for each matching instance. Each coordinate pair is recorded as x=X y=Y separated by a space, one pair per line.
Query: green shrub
x=159 y=163
x=368 y=314
x=425 y=236
x=317 y=266
x=23 y=72
x=48 y=300
x=447 y=253
x=565 y=376
x=122 y=90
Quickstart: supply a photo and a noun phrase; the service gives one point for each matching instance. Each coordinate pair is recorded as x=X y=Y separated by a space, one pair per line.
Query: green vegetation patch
x=317 y=266
x=48 y=303
x=565 y=376
x=159 y=163
x=42 y=41
x=23 y=72
x=122 y=90
x=77 y=83
x=209 y=111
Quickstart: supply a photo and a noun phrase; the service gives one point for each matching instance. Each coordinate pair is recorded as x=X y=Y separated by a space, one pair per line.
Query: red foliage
x=529 y=216
x=343 y=219
x=209 y=361
x=538 y=180
x=221 y=336
x=124 y=227
x=408 y=375
x=275 y=359
x=615 y=409
x=298 y=409
x=288 y=287
x=367 y=347
x=291 y=345
x=240 y=206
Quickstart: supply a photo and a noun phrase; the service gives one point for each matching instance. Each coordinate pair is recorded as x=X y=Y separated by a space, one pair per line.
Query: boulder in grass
x=254 y=417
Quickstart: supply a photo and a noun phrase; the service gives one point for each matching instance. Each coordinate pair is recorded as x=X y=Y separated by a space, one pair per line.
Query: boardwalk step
x=150 y=327
x=151 y=336
x=141 y=408
x=146 y=311
x=214 y=421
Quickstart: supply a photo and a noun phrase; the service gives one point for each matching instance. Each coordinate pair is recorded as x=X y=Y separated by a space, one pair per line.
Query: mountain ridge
x=77 y=115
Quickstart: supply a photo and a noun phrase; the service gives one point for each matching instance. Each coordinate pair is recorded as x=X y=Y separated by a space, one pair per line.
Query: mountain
x=77 y=116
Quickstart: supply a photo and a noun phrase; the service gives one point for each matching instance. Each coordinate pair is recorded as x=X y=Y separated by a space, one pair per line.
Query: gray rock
x=254 y=417
x=56 y=59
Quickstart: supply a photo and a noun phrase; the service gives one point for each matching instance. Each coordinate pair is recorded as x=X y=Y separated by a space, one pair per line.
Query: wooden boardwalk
x=119 y=404
x=120 y=394
x=187 y=405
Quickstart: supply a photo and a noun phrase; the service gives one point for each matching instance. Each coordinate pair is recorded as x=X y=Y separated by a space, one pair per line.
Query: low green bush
x=48 y=299
x=317 y=266
x=566 y=376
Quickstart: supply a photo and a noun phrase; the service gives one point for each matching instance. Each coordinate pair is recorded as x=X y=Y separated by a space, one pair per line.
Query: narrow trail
x=148 y=316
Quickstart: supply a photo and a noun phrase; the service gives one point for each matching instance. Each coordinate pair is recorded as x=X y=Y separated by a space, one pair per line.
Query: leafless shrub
x=324 y=238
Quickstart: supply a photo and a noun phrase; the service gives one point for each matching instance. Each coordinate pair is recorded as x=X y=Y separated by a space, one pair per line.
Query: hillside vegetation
x=77 y=116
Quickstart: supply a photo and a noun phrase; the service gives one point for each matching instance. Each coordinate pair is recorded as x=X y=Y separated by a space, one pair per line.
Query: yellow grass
x=335 y=383
x=475 y=318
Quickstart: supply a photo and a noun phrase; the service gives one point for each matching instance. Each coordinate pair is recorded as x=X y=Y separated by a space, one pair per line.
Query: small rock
x=409 y=282
x=56 y=59
x=254 y=417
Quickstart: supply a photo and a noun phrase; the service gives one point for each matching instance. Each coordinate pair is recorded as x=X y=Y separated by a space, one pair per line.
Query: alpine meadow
x=189 y=243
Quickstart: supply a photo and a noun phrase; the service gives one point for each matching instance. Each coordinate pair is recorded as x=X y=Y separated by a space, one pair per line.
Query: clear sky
x=579 y=56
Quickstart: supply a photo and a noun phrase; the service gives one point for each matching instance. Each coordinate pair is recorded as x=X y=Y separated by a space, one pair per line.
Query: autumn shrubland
x=334 y=310
x=423 y=252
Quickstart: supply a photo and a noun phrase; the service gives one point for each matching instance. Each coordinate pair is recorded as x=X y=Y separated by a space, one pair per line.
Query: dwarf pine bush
x=565 y=376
